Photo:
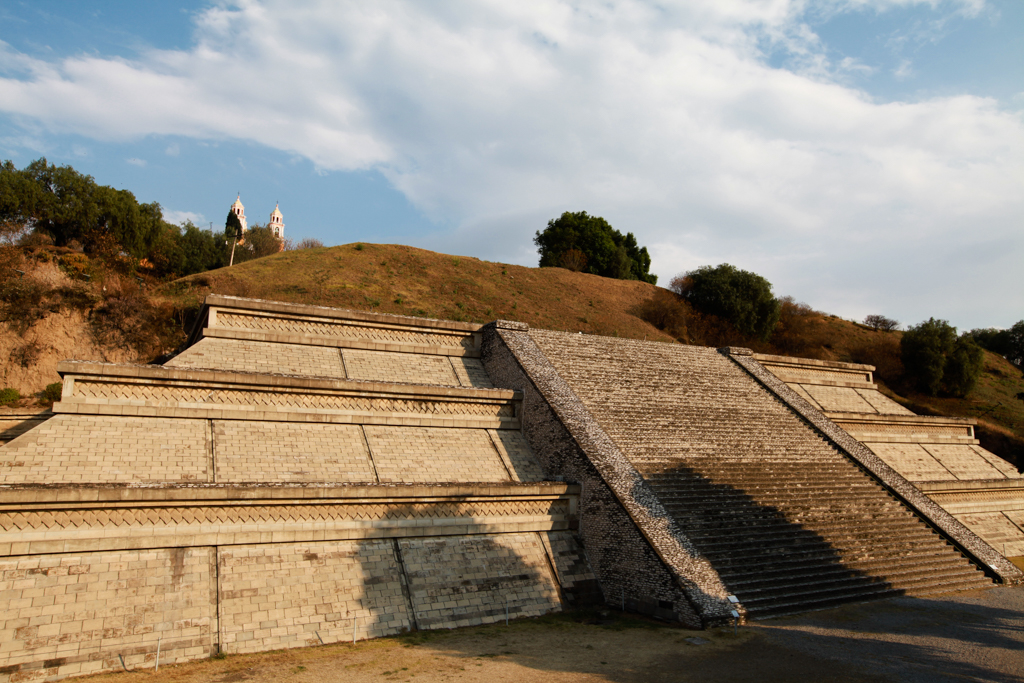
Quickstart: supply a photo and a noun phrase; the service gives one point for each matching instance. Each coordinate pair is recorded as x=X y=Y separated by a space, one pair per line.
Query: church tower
x=240 y=212
x=277 y=222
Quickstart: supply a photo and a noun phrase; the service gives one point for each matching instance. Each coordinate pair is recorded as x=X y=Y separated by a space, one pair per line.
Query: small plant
x=460 y=305
x=9 y=396
x=399 y=299
x=52 y=392
x=359 y=246
x=75 y=265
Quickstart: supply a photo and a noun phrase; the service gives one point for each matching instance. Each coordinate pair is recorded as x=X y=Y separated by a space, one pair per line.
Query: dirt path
x=974 y=636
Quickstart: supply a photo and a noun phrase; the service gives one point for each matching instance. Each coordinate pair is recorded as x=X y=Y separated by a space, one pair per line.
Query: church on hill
x=276 y=218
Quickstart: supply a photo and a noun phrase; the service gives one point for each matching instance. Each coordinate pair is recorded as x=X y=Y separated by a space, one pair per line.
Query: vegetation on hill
x=588 y=244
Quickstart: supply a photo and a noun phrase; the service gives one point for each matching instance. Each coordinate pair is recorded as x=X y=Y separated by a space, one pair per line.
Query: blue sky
x=866 y=156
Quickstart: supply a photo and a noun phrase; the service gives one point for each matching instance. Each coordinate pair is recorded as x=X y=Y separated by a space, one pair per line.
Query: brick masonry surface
x=469 y=581
x=74 y=449
x=423 y=454
x=288 y=451
x=407 y=368
x=296 y=594
x=74 y=614
x=252 y=356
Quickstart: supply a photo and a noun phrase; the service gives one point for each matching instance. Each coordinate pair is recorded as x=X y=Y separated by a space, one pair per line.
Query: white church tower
x=240 y=212
x=277 y=222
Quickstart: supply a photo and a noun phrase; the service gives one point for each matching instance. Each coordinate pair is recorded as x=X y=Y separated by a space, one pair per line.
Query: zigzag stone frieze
x=219 y=396
x=344 y=330
x=268 y=514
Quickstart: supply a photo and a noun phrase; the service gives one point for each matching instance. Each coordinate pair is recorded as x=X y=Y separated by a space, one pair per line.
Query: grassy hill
x=122 y=319
x=390 y=278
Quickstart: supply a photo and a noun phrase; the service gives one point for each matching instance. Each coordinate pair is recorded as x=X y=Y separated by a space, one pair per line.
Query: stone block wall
x=70 y=449
x=75 y=613
x=79 y=613
x=297 y=594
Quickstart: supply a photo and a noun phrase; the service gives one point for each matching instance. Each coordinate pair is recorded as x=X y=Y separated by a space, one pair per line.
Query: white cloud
x=173 y=149
x=179 y=217
x=141 y=163
x=492 y=117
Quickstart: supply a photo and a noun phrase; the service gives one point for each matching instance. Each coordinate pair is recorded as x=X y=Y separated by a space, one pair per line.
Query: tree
x=742 y=298
x=605 y=251
x=1016 y=344
x=880 y=322
x=935 y=359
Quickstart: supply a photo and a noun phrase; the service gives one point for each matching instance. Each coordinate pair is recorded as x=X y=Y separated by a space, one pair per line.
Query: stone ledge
x=839 y=383
x=223 y=412
x=511 y=325
x=275 y=337
x=46 y=495
x=970 y=485
x=810 y=363
x=262 y=305
x=900 y=419
x=869 y=438
x=128 y=372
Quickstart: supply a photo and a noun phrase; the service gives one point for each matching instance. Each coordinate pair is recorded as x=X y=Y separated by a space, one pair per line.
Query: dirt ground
x=971 y=636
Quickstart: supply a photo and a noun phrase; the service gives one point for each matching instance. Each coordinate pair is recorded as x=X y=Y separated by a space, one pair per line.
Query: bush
x=9 y=396
x=880 y=322
x=742 y=298
x=75 y=265
x=935 y=359
x=52 y=392
x=309 y=243
x=667 y=312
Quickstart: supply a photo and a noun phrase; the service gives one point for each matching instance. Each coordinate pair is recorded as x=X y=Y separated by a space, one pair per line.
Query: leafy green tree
x=963 y=367
x=68 y=205
x=936 y=359
x=605 y=251
x=260 y=241
x=1015 y=351
x=742 y=298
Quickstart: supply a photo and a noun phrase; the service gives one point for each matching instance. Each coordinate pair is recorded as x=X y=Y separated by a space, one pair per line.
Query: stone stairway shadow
x=790 y=537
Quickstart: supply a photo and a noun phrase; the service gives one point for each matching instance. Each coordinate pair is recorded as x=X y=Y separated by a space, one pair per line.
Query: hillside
x=112 y=317
x=389 y=278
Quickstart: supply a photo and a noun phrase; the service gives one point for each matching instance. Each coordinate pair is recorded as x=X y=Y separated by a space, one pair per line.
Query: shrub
x=76 y=265
x=880 y=322
x=742 y=298
x=309 y=243
x=9 y=396
x=667 y=312
x=52 y=392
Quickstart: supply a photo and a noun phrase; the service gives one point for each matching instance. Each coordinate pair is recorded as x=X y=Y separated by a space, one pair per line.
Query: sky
x=865 y=156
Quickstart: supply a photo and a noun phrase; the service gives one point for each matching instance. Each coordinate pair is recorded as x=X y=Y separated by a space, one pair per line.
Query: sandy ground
x=976 y=636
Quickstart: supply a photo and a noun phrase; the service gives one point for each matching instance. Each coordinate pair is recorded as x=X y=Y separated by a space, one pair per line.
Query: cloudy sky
x=866 y=156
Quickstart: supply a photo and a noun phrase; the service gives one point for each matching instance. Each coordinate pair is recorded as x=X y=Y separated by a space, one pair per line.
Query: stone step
x=750 y=590
x=867 y=593
x=832 y=537
x=753 y=560
x=697 y=521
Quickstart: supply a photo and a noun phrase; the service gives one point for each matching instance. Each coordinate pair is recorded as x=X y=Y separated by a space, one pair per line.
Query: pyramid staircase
x=797 y=536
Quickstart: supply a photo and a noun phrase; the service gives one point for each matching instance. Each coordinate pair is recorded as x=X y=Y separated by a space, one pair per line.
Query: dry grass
x=389 y=278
